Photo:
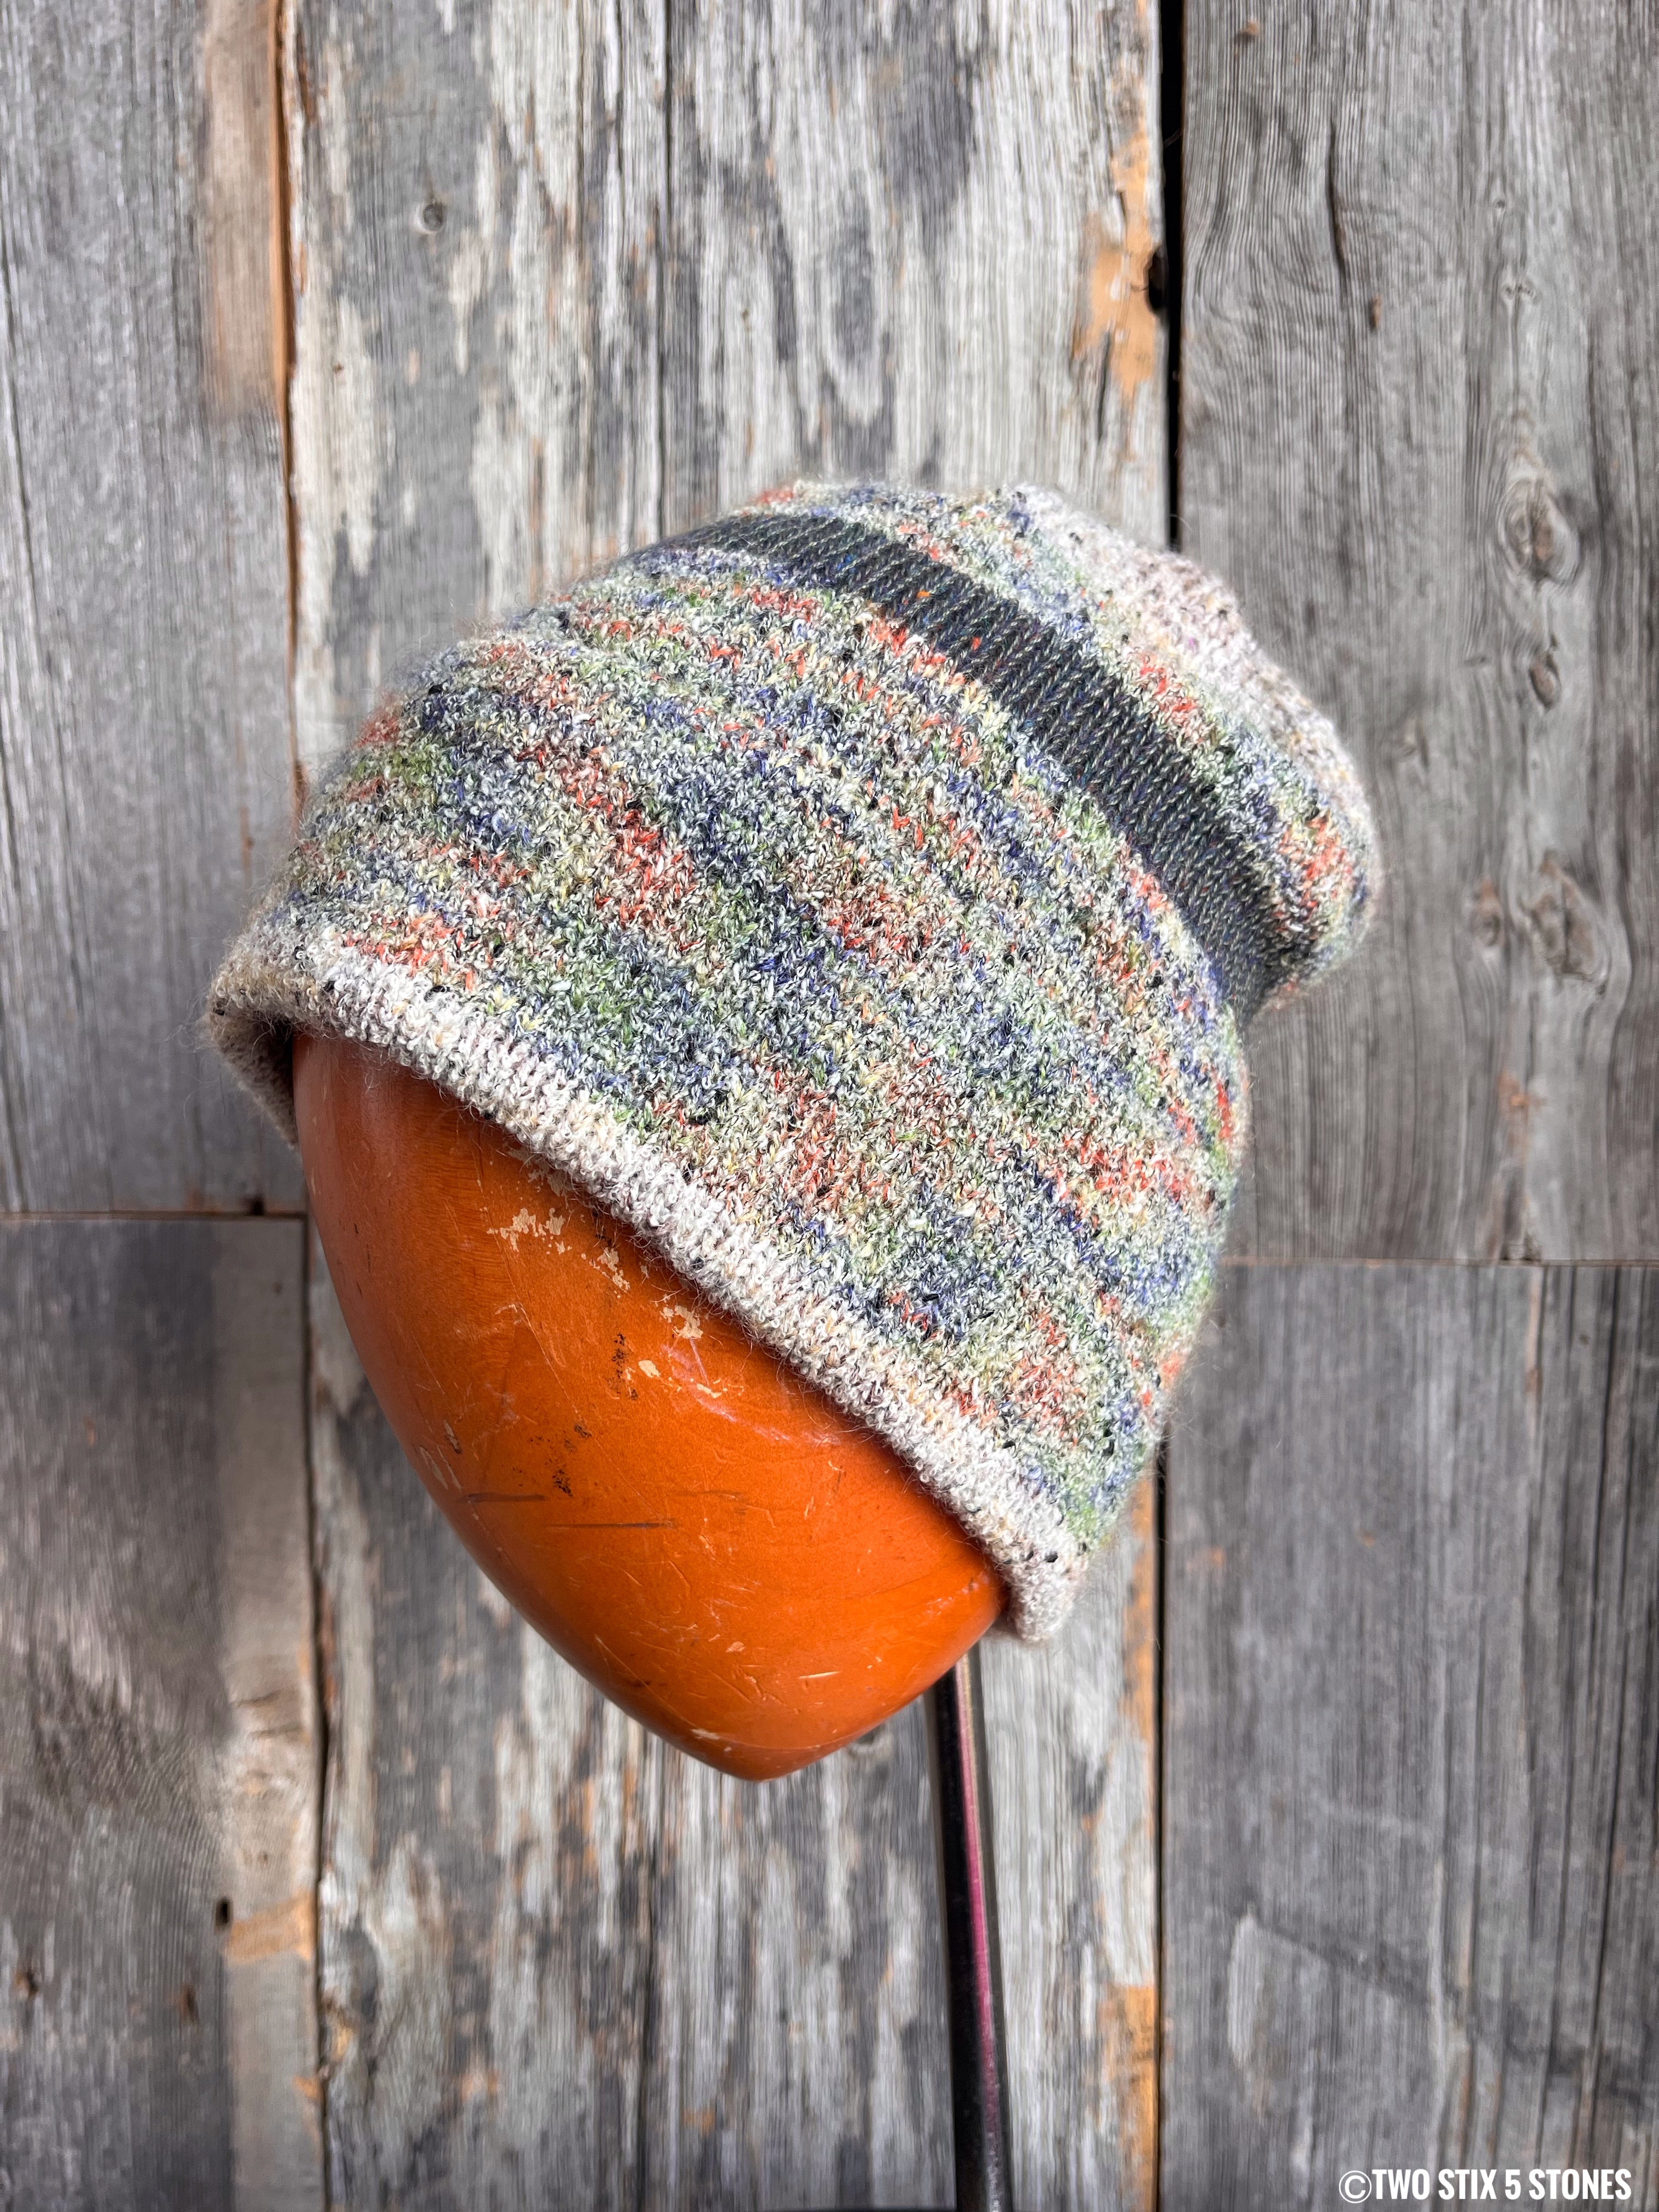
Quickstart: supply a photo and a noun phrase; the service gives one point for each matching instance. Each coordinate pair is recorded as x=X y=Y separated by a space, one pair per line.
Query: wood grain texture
x=269 y=1766
x=916 y=242
x=565 y=276
x=1420 y=436
x=478 y=202
x=144 y=750
x=559 y=1961
x=797 y=2052
x=1412 y=1752
x=1074 y=1793
x=158 y=1773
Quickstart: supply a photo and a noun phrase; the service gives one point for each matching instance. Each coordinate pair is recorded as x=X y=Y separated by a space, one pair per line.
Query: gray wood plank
x=915 y=242
x=158 y=1769
x=268 y=1769
x=1412 y=1758
x=478 y=194
x=1073 y=1735
x=797 y=2052
x=917 y=245
x=144 y=754
x=1420 y=436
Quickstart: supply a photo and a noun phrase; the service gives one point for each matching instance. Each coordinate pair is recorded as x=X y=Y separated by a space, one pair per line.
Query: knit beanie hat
x=863 y=896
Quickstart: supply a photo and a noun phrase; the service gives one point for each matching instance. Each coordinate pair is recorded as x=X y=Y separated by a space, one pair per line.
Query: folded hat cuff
x=268 y=992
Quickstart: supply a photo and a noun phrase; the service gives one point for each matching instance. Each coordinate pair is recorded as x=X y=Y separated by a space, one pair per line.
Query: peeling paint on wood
x=1115 y=314
x=243 y=208
x=269 y=1763
x=913 y=243
x=478 y=213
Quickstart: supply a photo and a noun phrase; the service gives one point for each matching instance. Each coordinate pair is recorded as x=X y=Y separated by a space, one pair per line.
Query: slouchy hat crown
x=863 y=896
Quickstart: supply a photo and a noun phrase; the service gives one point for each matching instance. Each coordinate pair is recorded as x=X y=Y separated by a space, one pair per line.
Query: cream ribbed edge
x=323 y=985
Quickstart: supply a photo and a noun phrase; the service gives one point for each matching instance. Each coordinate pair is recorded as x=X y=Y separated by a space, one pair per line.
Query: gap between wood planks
x=283 y=83
x=1172 y=108
x=257 y=1212
x=1171 y=94
x=280 y=34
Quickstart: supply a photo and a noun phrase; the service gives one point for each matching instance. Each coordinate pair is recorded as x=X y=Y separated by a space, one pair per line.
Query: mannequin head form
x=693 y=1526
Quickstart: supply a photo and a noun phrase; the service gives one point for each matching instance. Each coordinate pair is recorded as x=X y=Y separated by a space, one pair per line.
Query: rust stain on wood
x=1129 y=2033
x=290 y=1926
x=1113 y=311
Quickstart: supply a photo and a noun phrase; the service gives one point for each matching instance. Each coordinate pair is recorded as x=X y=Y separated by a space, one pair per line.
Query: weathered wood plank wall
x=913 y=241
x=157 y=1790
x=1412 y=1723
x=1329 y=1841
x=1419 y=435
x=478 y=203
x=1412 y=1750
x=144 y=710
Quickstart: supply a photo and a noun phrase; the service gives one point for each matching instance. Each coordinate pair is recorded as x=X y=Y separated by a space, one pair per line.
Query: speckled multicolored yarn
x=863 y=896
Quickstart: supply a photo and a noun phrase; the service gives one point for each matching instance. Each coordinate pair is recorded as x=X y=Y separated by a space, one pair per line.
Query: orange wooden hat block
x=696 y=1528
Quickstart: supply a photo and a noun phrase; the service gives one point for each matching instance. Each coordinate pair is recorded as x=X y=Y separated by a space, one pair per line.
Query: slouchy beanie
x=863 y=896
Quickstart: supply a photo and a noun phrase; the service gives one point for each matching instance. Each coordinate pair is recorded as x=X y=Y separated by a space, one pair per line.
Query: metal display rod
x=973 y=1956
x=960 y=1773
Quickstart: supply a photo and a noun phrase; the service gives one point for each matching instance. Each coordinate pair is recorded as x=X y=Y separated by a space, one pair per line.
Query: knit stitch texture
x=863 y=896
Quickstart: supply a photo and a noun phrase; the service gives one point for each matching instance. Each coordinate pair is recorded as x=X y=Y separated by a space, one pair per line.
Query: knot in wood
x=1566 y=931
x=1538 y=538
